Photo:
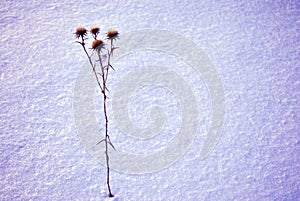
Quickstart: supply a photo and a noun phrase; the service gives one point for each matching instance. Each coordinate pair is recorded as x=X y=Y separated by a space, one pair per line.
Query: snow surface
x=254 y=47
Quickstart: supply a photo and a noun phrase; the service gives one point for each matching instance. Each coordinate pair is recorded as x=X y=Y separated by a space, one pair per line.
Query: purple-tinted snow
x=255 y=49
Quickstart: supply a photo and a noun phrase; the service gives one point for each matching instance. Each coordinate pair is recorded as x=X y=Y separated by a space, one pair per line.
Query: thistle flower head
x=94 y=30
x=80 y=32
x=112 y=34
x=97 y=45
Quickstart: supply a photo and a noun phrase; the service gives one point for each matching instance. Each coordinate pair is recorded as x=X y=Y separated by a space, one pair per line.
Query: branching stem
x=103 y=88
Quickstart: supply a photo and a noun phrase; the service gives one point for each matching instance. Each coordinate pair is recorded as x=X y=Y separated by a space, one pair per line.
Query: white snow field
x=204 y=103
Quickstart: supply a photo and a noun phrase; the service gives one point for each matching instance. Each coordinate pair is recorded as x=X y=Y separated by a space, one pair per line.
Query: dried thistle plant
x=100 y=69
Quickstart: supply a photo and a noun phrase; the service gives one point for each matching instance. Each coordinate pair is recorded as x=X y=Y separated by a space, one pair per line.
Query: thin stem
x=110 y=53
x=104 y=78
x=104 y=74
x=106 y=139
x=93 y=66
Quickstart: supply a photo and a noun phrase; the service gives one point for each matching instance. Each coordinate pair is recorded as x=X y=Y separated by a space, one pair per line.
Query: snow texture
x=254 y=46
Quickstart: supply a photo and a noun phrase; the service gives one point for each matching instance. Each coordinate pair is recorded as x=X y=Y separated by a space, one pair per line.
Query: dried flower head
x=112 y=34
x=95 y=30
x=80 y=32
x=97 y=45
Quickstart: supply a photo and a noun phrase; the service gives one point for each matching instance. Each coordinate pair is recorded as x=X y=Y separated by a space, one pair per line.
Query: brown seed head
x=112 y=34
x=80 y=32
x=95 y=30
x=97 y=44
